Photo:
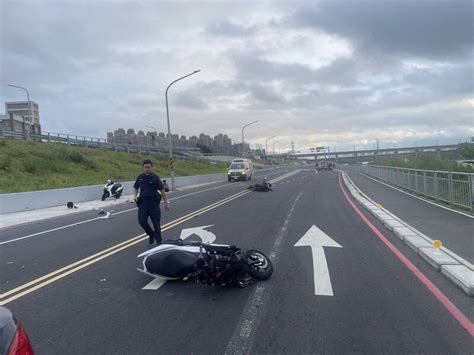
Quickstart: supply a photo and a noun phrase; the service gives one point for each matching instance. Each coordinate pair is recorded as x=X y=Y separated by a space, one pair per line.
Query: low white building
x=18 y=117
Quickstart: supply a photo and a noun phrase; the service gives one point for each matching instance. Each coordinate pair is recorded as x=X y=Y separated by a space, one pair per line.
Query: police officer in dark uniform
x=148 y=201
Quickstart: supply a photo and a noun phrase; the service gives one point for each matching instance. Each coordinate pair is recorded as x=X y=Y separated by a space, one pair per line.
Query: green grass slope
x=425 y=162
x=30 y=166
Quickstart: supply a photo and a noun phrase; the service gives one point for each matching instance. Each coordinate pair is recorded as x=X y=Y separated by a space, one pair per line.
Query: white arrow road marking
x=317 y=240
x=106 y=216
x=206 y=237
x=155 y=284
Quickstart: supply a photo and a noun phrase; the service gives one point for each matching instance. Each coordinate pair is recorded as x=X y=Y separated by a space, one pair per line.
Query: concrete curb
x=455 y=268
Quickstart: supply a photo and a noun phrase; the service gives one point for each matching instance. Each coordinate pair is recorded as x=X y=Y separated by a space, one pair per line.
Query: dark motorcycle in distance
x=208 y=264
x=261 y=186
x=112 y=189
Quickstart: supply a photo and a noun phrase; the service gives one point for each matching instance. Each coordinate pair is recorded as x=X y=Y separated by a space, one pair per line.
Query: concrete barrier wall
x=24 y=201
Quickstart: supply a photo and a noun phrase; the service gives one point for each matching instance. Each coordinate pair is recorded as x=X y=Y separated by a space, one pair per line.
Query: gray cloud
x=428 y=29
x=266 y=96
x=230 y=29
x=253 y=68
x=191 y=102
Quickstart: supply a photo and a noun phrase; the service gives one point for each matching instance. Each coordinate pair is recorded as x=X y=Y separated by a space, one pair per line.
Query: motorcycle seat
x=173 y=263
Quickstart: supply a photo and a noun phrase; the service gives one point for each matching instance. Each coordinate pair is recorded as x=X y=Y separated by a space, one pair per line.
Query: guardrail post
x=450 y=188
x=49 y=138
x=424 y=183
x=416 y=181
x=435 y=180
x=409 y=179
x=68 y=140
x=3 y=133
x=471 y=191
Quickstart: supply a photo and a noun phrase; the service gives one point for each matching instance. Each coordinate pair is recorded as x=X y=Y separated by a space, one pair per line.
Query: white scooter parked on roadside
x=112 y=189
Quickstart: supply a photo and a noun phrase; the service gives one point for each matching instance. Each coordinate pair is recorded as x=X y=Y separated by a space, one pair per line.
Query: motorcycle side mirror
x=200 y=252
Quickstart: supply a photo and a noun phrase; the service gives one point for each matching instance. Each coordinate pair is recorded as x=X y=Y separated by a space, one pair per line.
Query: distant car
x=13 y=338
x=325 y=166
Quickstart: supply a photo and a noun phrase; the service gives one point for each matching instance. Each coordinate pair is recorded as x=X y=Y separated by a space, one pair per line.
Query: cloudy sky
x=337 y=73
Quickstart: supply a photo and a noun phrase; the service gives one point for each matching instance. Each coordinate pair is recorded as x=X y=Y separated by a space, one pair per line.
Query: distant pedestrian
x=148 y=191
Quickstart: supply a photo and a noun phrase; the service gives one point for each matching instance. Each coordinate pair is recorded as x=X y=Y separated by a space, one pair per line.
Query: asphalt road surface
x=348 y=286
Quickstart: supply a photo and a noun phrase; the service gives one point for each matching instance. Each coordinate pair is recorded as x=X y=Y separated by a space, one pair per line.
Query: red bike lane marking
x=440 y=296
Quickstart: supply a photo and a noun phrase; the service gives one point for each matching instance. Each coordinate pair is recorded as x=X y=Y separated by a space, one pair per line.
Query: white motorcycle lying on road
x=112 y=189
x=209 y=264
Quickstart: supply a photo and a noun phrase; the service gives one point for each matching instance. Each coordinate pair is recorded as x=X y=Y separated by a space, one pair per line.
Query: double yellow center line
x=45 y=280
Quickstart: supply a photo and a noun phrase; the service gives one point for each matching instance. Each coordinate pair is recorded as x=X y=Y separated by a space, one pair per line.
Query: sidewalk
x=17 y=218
x=456 y=231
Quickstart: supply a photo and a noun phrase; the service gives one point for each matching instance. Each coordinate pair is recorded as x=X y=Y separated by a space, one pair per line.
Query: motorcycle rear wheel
x=263 y=269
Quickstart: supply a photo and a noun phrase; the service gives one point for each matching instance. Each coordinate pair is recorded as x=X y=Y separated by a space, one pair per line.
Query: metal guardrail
x=453 y=188
x=93 y=142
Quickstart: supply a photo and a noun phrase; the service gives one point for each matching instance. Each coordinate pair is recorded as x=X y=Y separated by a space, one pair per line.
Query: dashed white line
x=242 y=339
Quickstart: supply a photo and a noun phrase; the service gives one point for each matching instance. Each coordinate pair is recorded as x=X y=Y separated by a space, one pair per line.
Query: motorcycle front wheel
x=260 y=266
x=104 y=196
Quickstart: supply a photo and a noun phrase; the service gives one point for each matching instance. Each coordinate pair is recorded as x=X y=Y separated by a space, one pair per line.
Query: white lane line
x=242 y=339
x=154 y=285
x=47 y=231
x=419 y=198
x=115 y=213
x=283 y=177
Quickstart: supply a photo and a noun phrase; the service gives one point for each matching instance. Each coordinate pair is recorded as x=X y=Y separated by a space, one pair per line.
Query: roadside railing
x=93 y=142
x=448 y=187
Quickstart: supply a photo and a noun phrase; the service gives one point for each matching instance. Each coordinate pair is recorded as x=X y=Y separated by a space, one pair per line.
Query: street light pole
x=274 y=145
x=266 y=147
x=248 y=124
x=29 y=103
x=279 y=142
x=169 y=129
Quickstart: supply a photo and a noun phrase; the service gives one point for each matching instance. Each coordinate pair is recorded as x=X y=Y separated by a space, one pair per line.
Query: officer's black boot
x=157 y=237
